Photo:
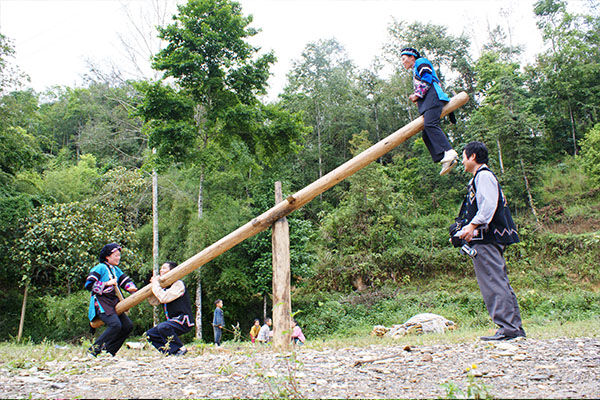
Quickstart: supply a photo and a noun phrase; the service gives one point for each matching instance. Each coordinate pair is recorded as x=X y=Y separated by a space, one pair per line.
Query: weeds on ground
x=282 y=387
x=474 y=389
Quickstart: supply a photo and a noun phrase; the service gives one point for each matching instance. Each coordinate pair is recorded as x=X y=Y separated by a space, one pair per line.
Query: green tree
x=503 y=122
x=209 y=55
x=590 y=154
x=565 y=78
x=96 y=120
x=61 y=243
x=72 y=183
x=321 y=84
x=10 y=76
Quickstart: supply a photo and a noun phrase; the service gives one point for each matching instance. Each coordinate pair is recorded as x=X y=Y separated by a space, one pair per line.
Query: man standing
x=430 y=99
x=489 y=229
x=218 y=321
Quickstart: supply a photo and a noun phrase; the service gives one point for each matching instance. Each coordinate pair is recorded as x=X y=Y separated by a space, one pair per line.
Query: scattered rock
x=420 y=323
x=104 y=380
x=538 y=369
x=540 y=377
x=57 y=385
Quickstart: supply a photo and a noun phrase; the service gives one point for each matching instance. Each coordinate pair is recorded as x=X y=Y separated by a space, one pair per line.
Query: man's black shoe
x=499 y=336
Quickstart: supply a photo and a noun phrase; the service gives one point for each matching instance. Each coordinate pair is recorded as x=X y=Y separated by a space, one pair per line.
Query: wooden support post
x=284 y=208
x=282 y=304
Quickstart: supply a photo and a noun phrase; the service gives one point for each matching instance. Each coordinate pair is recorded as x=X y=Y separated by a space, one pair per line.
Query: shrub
x=590 y=154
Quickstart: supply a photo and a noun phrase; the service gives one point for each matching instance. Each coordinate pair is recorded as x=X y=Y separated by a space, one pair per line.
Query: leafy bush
x=590 y=154
x=61 y=242
x=336 y=314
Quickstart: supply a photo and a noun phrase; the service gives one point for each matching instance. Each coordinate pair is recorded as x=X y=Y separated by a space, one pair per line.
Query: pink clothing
x=297 y=333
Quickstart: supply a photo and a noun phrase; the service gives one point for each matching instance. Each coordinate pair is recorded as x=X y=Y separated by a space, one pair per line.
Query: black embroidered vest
x=501 y=228
x=179 y=307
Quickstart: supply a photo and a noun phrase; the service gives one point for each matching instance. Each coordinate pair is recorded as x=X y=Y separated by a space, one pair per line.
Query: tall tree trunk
x=264 y=306
x=319 y=149
x=199 y=307
x=199 y=117
x=500 y=155
x=155 y=233
x=530 y=197
x=199 y=279
x=23 y=307
x=377 y=129
x=573 y=130
x=201 y=195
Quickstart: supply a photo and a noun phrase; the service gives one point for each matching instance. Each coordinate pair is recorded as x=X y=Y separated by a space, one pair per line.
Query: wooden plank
x=282 y=305
x=285 y=207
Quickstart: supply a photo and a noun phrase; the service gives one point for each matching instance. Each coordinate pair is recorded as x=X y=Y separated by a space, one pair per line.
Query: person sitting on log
x=430 y=99
x=103 y=282
x=176 y=303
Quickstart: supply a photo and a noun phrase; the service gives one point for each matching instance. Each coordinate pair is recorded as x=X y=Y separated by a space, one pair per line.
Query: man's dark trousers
x=498 y=295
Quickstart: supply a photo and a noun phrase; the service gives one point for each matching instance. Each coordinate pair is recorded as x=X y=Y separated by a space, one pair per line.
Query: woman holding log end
x=178 y=312
x=430 y=98
x=103 y=282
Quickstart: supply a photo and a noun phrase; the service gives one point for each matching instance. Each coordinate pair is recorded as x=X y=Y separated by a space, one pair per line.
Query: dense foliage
x=75 y=162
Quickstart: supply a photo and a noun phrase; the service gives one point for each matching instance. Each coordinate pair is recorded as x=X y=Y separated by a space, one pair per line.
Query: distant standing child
x=297 y=335
x=218 y=321
x=264 y=335
x=430 y=98
x=254 y=330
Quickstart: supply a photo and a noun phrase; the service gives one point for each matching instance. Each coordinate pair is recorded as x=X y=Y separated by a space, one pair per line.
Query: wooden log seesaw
x=291 y=203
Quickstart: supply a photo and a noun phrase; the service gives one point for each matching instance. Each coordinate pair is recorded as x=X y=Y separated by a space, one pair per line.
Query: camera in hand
x=456 y=241
x=468 y=250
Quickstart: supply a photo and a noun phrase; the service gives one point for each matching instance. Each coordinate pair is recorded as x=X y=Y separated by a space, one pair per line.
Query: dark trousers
x=218 y=332
x=165 y=336
x=435 y=139
x=498 y=296
x=118 y=328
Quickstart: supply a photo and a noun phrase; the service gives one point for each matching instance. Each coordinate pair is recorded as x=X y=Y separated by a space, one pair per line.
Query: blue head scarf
x=409 y=51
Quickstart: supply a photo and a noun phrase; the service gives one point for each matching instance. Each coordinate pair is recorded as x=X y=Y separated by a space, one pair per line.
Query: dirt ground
x=523 y=368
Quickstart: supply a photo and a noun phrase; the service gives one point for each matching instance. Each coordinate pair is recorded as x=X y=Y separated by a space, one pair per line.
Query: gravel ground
x=522 y=368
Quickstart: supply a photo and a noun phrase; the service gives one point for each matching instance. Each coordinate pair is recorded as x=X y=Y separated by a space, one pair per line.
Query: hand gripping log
x=290 y=204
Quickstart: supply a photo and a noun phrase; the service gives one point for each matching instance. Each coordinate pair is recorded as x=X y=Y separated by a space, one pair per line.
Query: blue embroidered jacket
x=424 y=77
x=104 y=296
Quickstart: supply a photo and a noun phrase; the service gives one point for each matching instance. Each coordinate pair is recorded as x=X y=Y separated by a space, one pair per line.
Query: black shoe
x=91 y=353
x=499 y=336
x=181 y=351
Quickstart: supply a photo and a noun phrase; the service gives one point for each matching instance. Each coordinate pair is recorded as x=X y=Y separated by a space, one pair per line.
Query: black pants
x=165 y=336
x=435 y=139
x=118 y=328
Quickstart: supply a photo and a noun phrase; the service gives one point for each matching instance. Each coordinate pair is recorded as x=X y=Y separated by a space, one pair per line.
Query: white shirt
x=263 y=334
x=486 y=196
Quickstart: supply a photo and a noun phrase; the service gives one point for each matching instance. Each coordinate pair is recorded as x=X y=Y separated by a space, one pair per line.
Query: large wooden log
x=282 y=303
x=292 y=203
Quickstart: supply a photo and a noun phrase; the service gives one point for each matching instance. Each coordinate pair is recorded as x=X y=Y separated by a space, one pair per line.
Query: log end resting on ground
x=284 y=208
